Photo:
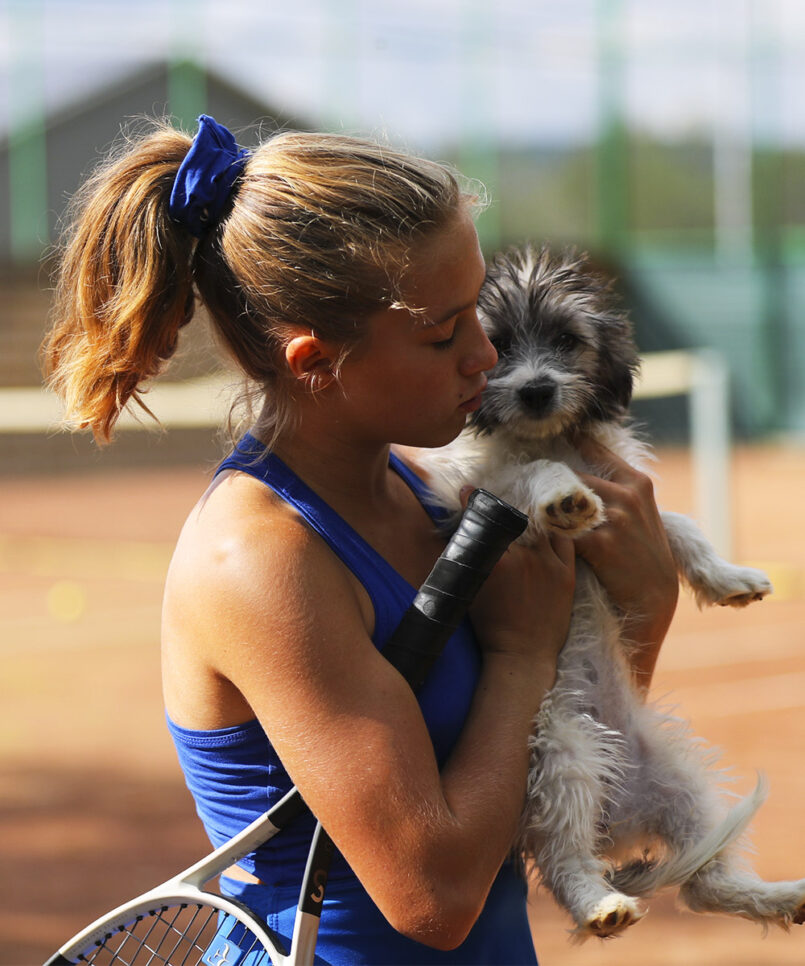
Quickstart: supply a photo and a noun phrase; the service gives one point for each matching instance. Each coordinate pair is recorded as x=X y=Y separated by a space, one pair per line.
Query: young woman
x=343 y=278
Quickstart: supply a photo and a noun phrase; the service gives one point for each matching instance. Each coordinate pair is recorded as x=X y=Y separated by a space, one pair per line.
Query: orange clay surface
x=93 y=809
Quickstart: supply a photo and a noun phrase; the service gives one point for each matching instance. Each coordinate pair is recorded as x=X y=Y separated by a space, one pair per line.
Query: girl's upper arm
x=276 y=614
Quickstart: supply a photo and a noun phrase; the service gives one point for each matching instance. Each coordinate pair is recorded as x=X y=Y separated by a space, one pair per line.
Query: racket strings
x=192 y=934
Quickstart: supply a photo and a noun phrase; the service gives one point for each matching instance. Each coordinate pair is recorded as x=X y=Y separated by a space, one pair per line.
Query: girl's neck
x=341 y=473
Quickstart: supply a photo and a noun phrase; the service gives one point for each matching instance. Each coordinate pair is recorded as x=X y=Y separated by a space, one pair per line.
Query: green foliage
x=550 y=194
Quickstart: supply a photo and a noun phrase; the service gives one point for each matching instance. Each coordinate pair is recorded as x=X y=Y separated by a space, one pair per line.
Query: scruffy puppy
x=610 y=776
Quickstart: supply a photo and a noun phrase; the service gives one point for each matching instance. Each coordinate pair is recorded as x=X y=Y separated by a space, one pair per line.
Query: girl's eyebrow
x=449 y=315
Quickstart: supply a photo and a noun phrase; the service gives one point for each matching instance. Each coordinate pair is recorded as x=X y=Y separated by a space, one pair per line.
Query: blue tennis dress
x=234 y=773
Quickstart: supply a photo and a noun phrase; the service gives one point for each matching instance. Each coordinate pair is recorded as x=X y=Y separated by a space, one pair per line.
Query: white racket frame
x=187 y=887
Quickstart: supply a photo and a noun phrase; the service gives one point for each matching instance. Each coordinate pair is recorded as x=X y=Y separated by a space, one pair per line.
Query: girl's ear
x=310 y=359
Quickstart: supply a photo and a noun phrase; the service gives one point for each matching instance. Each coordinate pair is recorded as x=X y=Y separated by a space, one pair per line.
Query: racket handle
x=485 y=530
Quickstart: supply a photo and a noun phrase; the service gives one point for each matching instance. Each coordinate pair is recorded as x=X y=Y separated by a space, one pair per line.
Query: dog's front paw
x=612 y=915
x=574 y=511
x=734 y=586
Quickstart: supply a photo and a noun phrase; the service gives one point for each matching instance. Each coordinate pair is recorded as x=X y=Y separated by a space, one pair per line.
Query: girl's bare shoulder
x=243 y=548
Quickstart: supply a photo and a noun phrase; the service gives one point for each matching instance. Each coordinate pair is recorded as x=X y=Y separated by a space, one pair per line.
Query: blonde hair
x=317 y=235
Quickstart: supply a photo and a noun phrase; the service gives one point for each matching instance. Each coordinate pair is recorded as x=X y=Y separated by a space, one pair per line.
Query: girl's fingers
x=611 y=466
x=564 y=548
x=464 y=495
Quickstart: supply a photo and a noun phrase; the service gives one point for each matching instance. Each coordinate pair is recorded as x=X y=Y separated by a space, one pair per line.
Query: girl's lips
x=470 y=405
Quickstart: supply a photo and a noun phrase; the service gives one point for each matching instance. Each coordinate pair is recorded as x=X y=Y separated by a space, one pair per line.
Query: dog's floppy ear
x=617 y=358
x=617 y=367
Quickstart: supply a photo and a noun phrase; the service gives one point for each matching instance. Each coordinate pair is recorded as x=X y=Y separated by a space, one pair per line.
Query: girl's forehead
x=445 y=272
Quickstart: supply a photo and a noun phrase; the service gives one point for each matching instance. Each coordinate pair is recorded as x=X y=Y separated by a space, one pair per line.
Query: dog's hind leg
x=680 y=805
x=675 y=803
x=722 y=886
x=572 y=774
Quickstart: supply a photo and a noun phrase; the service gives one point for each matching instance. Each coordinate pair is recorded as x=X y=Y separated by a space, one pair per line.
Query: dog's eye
x=500 y=342
x=567 y=341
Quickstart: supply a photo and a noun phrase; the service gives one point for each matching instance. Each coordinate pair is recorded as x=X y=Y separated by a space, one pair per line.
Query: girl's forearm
x=647 y=631
x=484 y=780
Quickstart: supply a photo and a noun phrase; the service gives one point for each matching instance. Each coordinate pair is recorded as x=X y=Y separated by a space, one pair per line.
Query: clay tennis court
x=92 y=804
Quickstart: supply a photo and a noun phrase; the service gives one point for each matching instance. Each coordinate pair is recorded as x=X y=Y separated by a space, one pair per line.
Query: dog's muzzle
x=538 y=396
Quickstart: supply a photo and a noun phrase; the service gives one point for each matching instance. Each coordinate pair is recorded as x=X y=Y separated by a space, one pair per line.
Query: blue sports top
x=235 y=775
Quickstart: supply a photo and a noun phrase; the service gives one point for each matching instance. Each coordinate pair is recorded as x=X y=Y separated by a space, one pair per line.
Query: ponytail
x=316 y=235
x=124 y=287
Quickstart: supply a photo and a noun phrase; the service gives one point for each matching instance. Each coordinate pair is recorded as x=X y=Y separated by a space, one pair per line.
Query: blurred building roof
x=71 y=141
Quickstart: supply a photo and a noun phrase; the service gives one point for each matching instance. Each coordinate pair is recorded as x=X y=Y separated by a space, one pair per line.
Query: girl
x=343 y=279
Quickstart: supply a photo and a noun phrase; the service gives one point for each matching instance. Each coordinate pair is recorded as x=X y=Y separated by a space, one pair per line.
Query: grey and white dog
x=621 y=800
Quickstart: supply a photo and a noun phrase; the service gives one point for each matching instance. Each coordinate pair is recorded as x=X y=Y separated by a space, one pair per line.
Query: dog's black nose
x=537 y=396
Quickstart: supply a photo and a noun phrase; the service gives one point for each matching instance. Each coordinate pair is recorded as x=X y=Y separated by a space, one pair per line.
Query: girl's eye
x=448 y=333
x=444 y=343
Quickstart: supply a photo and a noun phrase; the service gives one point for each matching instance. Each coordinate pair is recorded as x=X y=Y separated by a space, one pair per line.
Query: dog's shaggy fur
x=611 y=778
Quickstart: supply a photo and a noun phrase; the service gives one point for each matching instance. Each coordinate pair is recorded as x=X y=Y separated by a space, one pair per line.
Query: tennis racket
x=180 y=923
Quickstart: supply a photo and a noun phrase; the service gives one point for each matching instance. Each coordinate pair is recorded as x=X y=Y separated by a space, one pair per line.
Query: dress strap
x=378 y=577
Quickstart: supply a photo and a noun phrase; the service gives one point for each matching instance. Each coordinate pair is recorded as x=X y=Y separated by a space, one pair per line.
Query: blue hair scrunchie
x=205 y=177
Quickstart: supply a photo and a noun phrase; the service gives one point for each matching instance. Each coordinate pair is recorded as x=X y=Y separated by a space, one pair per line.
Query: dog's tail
x=645 y=877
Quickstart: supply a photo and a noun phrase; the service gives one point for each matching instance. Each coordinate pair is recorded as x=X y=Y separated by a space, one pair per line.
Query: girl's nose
x=481 y=355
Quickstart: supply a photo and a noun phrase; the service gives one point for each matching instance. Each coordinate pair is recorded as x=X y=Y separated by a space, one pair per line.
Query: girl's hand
x=630 y=554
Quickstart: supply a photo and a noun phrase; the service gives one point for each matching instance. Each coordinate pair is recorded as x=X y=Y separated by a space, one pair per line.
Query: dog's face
x=566 y=355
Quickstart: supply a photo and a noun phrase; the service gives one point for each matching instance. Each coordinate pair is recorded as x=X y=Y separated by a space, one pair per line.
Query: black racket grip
x=485 y=530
